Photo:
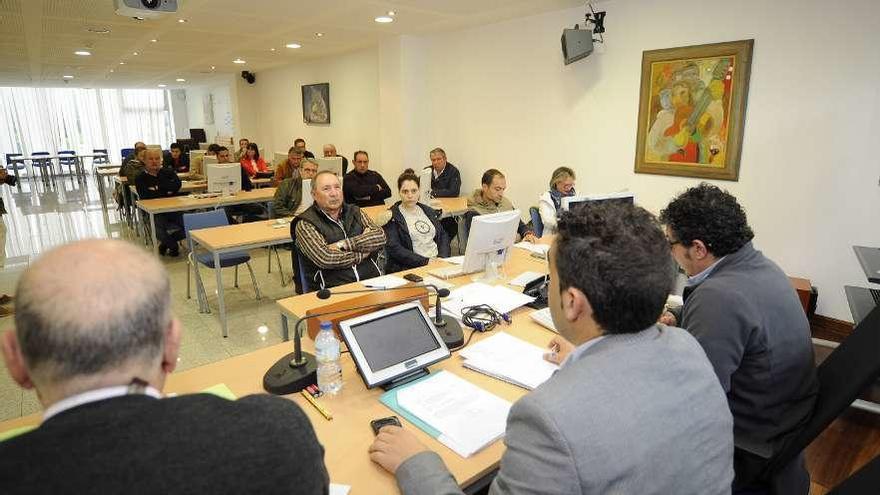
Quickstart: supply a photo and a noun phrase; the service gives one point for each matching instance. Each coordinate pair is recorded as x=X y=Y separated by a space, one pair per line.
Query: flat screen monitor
x=198 y=135
x=279 y=158
x=621 y=197
x=334 y=164
x=210 y=159
x=204 y=146
x=490 y=235
x=425 y=185
x=392 y=343
x=307 y=198
x=223 y=178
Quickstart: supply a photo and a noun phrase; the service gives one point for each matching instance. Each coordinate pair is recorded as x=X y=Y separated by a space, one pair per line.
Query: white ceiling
x=38 y=37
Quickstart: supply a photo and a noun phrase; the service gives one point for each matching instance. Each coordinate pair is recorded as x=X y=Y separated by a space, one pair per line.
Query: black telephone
x=538 y=289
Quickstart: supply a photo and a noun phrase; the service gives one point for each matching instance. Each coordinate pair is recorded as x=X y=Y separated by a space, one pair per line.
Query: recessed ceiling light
x=271 y=49
x=67 y=77
x=180 y=79
x=82 y=53
x=239 y=61
x=213 y=67
x=163 y=85
x=112 y=70
x=121 y=63
x=153 y=40
x=293 y=45
x=181 y=21
x=392 y=13
x=384 y=19
x=319 y=34
x=134 y=53
x=98 y=30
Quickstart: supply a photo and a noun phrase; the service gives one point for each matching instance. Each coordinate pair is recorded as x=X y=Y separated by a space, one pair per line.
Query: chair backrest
x=195 y=221
x=69 y=157
x=300 y=283
x=537 y=223
x=11 y=158
x=851 y=368
x=125 y=152
x=40 y=153
x=100 y=159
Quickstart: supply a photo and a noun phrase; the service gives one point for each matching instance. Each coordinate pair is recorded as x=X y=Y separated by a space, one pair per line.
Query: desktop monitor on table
x=621 y=197
x=333 y=163
x=209 y=160
x=425 y=186
x=307 y=198
x=224 y=178
x=490 y=239
x=279 y=158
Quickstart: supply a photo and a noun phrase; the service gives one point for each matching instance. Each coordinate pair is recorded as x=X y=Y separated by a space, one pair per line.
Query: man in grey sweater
x=743 y=310
x=635 y=406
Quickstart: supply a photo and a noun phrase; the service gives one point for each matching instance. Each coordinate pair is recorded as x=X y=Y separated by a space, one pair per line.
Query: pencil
x=321 y=409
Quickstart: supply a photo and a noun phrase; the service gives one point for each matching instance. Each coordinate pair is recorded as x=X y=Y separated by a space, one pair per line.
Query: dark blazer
x=367 y=189
x=398 y=242
x=168 y=162
x=448 y=185
x=189 y=444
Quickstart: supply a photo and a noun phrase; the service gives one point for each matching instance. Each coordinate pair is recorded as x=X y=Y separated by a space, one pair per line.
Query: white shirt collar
x=580 y=350
x=438 y=174
x=94 y=396
x=703 y=275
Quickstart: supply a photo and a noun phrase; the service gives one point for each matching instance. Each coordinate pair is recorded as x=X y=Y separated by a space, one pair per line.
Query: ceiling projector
x=145 y=8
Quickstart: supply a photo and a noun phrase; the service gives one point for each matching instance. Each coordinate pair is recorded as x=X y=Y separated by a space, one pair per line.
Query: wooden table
x=188 y=203
x=103 y=174
x=347 y=437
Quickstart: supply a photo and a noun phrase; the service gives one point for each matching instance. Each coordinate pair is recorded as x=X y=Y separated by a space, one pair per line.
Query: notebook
x=510 y=359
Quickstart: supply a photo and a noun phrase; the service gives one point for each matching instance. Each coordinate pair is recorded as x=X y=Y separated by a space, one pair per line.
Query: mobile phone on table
x=412 y=277
x=377 y=424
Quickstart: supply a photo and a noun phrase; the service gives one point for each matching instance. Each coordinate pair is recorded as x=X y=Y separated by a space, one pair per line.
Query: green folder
x=389 y=398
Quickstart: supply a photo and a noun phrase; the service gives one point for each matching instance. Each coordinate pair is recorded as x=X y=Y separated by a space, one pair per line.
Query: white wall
x=179 y=113
x=276 y=100
x=225 y=113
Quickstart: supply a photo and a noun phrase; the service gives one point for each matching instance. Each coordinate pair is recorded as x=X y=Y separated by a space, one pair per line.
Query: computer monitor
x=393 y=343
x=224 y=178
x=209 y=159
x=307 y=198
x=620 y=197
x=204 y=146
x=198 y=135
x=490 y=239
x=279 y=158
x=334 y=164
x=194 y=153
x=425 y=185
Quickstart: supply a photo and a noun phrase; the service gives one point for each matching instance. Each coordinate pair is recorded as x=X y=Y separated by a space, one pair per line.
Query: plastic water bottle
x=327 y=355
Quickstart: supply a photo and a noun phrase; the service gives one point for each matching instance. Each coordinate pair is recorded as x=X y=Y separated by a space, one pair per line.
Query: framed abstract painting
x=692 y=109
x=316 y=103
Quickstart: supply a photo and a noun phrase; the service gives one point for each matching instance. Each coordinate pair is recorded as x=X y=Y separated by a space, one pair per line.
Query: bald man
x=97 y=344
x=156 y=181
x=330 y=152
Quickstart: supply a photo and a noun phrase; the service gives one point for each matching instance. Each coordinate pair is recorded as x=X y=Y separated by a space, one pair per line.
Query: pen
x=321 y=409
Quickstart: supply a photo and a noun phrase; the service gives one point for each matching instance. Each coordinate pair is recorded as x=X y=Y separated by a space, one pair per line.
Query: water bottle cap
x=326 y=325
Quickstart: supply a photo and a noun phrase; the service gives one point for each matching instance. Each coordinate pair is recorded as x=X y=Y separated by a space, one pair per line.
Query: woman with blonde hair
x=550 y=203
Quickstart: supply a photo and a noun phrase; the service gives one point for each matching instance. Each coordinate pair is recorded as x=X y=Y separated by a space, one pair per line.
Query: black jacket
x=363 y=189
x=398 y=244
x=448 y=185
x=168 y=162
x=196 y=443
x=165 y=183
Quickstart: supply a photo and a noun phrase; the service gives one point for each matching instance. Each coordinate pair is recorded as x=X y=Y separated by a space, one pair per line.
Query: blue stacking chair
x=213 y=218
x=68 y=158
x=43 y=165
x=100 y=159
x=537 y=223
x=125 y=152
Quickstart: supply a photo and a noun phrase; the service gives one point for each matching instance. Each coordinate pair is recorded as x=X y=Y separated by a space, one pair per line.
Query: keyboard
x=447 y=272
x=542 y=316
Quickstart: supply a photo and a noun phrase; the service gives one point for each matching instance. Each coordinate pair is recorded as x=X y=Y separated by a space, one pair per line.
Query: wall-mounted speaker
x=576 y=44
x=250 y=77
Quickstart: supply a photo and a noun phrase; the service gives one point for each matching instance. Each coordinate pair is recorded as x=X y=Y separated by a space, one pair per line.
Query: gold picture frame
x=692 y=107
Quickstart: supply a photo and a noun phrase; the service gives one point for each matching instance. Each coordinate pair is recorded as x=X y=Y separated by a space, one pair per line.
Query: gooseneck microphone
x=298 y=370
x=448 y=327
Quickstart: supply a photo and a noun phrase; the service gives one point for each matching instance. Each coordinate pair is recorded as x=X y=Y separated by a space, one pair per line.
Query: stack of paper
x=500 y=298
x=384 y=282
x=535 y=248
x=467 y=417
x=524 y=278
x=508 y=358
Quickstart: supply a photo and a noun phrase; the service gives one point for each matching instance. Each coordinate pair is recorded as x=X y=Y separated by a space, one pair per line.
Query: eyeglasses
x=673 y=243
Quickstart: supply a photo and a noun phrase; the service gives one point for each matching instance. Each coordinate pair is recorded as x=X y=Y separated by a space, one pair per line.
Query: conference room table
x=175 y=204
x=254 y=235
x=347 y=436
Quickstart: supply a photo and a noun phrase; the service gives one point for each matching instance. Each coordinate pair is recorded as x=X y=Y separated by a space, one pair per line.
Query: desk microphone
x=298 y=370
x=447 y=326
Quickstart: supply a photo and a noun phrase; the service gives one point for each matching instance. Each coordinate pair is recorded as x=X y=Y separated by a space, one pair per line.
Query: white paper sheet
x=500 y=298
x=524 y=278
x=452 y=405
x=337 y=489
x=535 y=248
x=455 y=260
x=384 y=282
x=511 y=359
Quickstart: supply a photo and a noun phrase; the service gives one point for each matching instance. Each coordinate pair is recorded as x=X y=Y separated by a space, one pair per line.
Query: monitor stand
x=404 y=379
x=492 y=272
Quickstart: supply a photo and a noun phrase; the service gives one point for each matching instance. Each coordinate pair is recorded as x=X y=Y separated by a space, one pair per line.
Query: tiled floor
x=40 y=218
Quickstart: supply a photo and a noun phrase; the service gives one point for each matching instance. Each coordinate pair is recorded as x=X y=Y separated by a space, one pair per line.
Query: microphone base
x=450 y=331
x=283 y=378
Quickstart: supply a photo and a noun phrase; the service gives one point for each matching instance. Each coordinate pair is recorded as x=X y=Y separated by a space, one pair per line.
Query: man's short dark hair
x=214 y=148
x=709 y=214
x=358 y=152
x=407 y=174
x=295 y=150
x=174 y=146
x=489 y=175
x=299 y=140
x=617 y=255
x=222 y=148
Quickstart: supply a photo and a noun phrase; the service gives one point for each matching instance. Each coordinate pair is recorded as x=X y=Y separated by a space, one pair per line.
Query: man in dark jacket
x=97 y=345
x=338 y=242
x=742 y=309
x=156 y=181
x=445 y=183
x=404 y=247
x=176 y=159
x=362 y=186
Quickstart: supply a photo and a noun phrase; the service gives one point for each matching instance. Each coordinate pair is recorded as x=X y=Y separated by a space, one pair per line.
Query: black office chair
x=300 y=284
x=864 y=481
x=849 y=370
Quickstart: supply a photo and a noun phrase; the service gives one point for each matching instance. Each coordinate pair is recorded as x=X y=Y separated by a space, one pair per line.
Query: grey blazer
x=635 y=414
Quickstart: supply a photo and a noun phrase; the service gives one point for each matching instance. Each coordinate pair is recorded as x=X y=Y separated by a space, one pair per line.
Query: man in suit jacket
x=635 y=406
x=94 y=335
